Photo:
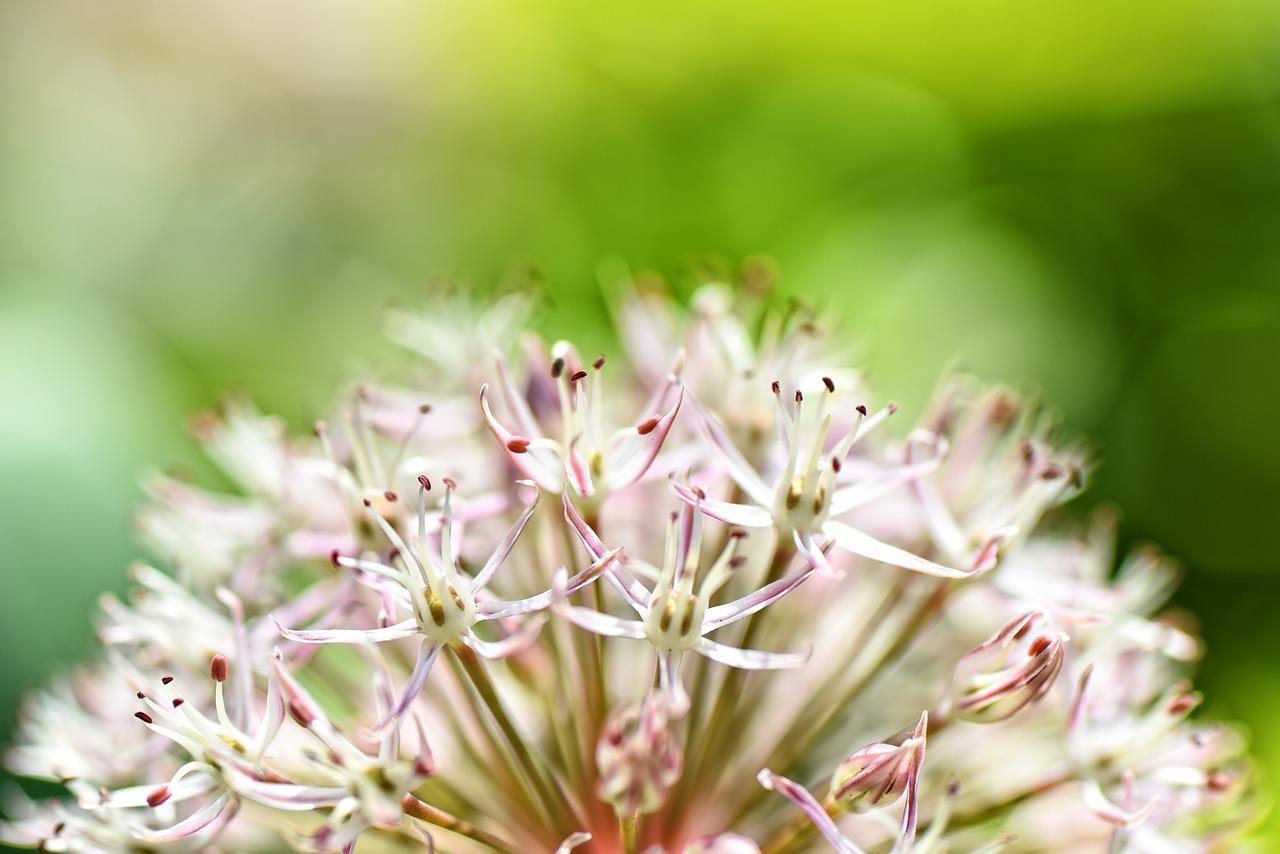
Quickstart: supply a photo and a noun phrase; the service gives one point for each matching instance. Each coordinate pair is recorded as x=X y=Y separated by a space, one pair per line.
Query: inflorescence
x=518 y=602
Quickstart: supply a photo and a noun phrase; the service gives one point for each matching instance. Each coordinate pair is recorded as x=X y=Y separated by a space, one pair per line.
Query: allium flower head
x=714 y=602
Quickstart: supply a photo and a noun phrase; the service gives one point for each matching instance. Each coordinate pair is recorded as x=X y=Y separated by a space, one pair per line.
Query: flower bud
x=1008 y=673
x=639 y=760
x=880 y=773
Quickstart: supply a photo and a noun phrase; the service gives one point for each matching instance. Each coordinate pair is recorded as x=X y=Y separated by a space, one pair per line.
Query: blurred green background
x=1078 y=198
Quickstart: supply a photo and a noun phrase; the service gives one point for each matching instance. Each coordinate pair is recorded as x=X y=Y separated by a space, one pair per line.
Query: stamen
x=300 y=713
x=557 y=367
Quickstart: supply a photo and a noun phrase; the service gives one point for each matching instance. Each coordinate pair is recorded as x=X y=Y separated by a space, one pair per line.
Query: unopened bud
x=638 y=758
x=1008 y=673
x=880 y=773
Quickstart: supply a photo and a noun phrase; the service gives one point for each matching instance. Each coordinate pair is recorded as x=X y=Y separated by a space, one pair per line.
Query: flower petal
x=800 y=796
x=853 y=540
x=421 y=669
x=750 y=659
x=508 y=542
x=494 y=610
x=742 y=515
x=518 y=641
x=735 y=464
x=632 y=452
x=625 y=583
x=872 y=487
x=402 y=629
x=731 y=612
x=601 y=624
x=537 y=463
x=219 y=810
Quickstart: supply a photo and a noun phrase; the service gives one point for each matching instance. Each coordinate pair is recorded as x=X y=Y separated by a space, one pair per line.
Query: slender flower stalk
x=712 y=614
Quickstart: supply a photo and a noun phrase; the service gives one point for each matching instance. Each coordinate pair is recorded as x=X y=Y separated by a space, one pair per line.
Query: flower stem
x=424 y=812
x=629 y=826
x=553 y=802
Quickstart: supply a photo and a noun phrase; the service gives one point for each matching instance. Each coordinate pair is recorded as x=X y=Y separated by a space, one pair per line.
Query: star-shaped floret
x=675 y=616
x=441 y=601
x=805 y=495
x=593 y=463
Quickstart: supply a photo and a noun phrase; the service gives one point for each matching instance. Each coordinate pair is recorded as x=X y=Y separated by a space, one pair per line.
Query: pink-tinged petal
x=731 y=612
x=579 y=470
x=869 y=488
x=617 y=574
x=910 y=813
x=137 y=796
x=750 y=659
x=800 y=796
x=1101 y=806
x=421 y=669
x=985 y=558
x=508 y=542
x=216 y=813
x=537 y=463
x=402 y=629
x=302 y=706
x=518 y=641
x=911 y=807
x=742 y=515
x=632 y=450
x=815 y=555
x=586 y=534
x=515 y=401
x=1079 y=713
x=502 y=610
x=601 y=624
x=735 y=464
x=273 y=713
x=286 y=796
x=853 y=540
x=938 y=519
x=573 y=841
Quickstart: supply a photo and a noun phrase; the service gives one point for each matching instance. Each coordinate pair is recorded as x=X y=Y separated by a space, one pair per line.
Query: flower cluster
x=517 y=602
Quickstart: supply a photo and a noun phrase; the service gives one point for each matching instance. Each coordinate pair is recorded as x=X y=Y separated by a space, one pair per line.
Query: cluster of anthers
x=516 y=602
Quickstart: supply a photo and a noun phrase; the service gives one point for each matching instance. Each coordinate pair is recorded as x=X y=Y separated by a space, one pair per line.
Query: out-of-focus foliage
x=1081 y=198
